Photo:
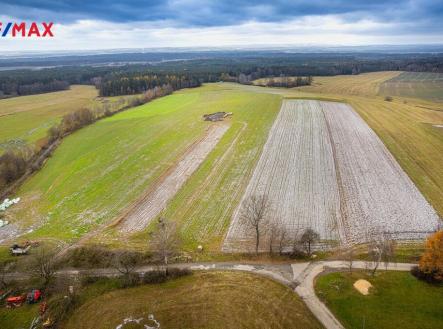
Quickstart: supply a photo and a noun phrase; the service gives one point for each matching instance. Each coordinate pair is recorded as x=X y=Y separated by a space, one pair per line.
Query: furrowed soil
x=324 y=168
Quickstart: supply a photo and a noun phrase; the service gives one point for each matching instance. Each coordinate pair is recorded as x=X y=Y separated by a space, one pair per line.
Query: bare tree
x=277 y=236
x=253 y=214
x=165 y=241
x=282 y=240
x=308 y=238
x=43 y=265
x=380 y=248
x=350 y=258
x=388 y=247
x=5 y=268
x=126 y=262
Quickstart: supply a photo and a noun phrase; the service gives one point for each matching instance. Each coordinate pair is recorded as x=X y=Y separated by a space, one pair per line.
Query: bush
x=12 y=166
x=59 y=307
x=160 y=276
x=429 y=277
x=431 y=262
x=86 y=280
x=152 y=277
x=89 y=257
x=129 y=280
x=175 y=272
x=389 y=99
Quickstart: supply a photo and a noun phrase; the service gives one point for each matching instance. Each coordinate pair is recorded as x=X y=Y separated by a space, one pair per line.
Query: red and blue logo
x=34 y=29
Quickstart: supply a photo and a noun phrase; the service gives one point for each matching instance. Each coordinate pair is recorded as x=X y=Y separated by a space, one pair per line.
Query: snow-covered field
x=324 y=168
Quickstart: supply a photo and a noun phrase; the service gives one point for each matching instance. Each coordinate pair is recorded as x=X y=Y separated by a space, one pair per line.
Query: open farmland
x=324 y=168
x=425 y=85
x=408 y=128
x=365 y=84
x=160 y=193
x=26 y=119
x=99 y=171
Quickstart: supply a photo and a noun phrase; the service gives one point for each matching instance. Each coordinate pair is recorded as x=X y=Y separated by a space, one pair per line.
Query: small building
x=217 y=116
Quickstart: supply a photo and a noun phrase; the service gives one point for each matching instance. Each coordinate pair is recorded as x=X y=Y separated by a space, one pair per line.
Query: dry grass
x=366 y=84
x=204 y=300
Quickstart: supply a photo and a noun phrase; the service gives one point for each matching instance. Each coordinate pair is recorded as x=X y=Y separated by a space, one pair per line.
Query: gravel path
x=298 y=276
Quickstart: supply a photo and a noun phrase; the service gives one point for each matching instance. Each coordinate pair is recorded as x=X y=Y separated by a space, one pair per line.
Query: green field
x=26 y=119
x=398 y=300
x=98 y=171
x=424 y=85
x=204 y=300
x=102 y=169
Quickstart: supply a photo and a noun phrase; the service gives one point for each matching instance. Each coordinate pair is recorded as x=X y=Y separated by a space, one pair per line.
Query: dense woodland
x=112 y=75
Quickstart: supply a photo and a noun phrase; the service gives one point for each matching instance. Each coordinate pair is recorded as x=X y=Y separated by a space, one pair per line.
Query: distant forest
x=127 y=74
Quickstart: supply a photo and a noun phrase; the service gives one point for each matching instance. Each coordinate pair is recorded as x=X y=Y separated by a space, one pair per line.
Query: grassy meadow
x=26 y=119
x=202 y=300
x=366 y=84
x=101 y=169
x=397 y=300
x=424 y=85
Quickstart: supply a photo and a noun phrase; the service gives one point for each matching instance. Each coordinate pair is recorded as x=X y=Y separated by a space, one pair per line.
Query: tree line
x=129 y=79
x=139 y=82
x=15 y=164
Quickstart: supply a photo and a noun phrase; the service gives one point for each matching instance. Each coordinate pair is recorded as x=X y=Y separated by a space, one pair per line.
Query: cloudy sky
x=111 y=24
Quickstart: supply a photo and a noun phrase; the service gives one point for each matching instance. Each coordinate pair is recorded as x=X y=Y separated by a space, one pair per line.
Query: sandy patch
x=362 y=286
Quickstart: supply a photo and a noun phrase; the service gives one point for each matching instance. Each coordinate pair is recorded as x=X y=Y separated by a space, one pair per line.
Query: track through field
x=157 y=197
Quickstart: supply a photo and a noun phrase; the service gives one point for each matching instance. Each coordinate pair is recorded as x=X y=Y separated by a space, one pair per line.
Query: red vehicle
x=15 y=301
x=33 y=296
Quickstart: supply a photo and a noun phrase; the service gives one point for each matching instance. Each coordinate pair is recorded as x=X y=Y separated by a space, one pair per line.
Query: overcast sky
x=107 y=24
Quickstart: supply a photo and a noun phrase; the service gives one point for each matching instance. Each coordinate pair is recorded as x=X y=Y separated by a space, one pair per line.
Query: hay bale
x=362 y=286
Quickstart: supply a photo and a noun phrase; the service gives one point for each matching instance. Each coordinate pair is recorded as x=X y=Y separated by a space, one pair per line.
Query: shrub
x=160 y=276
x=129 y=280
x=389 y=99
x=175 y=272
x=59 y=307
x=89 y=257
x=12 y=166
x=431 y=262
x=154 y=277
x=86 y=280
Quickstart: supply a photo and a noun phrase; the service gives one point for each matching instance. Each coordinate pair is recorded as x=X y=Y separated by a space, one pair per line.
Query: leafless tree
x=308 y=238
x=165 y=241
x=126 y=262
x=350 y=258
x=5 y=268
x=43 y=265
x=282 y=240
x=388 y=247
x=277 y=236
x=381 y=248
x=254 y=214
